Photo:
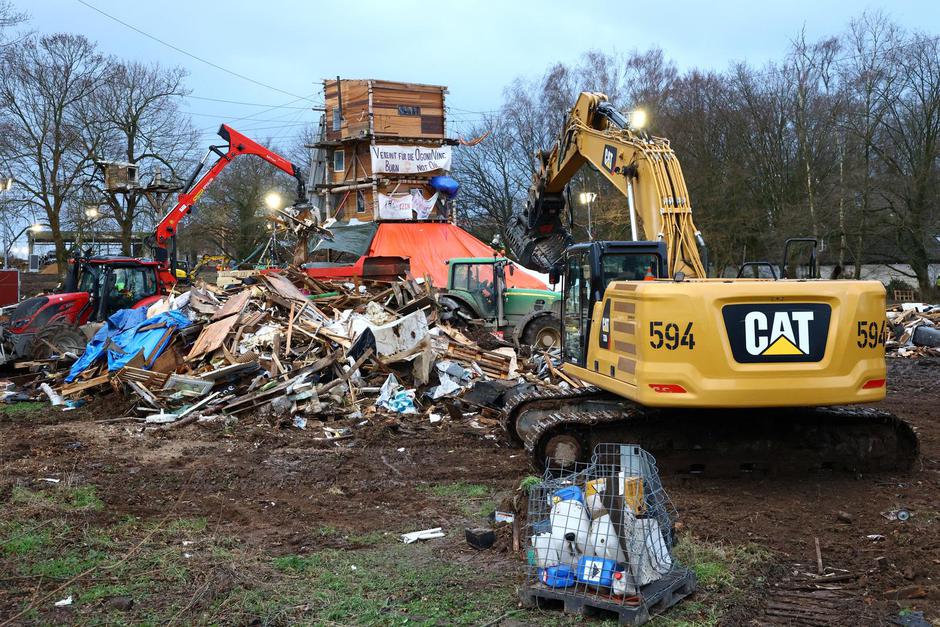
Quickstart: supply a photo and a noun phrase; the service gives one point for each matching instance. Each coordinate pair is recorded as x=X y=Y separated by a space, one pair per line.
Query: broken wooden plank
x=284 y=288
x=81 y=386
x=234 y=305
x=212 y=337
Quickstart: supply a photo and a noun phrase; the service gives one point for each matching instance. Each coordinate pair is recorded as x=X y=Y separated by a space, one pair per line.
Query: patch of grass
x=394 y=585
x=25 y=496
x=717 y=566
x=22 y=539
x=689 y=612
x=103 y=591
x=168 y=562
x=459 y=489
x=380 y=582
x=187 y=525
x=66 y=566
x=84 y=497
x=486 y=507
x=472 y=499
x=97 y=537
x=529 y=482
x=25 y=407
x=725 y=574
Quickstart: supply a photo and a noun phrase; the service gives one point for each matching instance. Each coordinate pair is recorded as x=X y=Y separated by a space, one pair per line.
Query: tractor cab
x=477 y=289
x=112 y=283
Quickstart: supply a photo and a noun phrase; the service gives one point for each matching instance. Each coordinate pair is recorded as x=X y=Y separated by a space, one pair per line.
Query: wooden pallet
x=664 y=593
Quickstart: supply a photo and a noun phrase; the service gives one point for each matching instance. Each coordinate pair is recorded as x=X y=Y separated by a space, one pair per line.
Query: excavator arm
x=238 y=144
x=644 y=169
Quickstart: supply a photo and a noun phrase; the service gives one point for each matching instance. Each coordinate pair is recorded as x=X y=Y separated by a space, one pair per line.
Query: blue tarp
x=122 y=339
x=445 y=184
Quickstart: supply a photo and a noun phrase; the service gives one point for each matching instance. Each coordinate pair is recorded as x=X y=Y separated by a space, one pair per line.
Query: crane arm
x=238 y=144
x=645 y=170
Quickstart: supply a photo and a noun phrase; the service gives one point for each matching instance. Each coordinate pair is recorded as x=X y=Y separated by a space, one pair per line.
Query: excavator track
x=780 y=441
x=529 y=398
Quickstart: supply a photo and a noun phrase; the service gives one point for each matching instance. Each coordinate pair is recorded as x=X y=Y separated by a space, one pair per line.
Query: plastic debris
x=426 y=534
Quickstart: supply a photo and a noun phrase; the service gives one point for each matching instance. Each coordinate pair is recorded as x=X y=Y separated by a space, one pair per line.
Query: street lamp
x=637 y=119
x=587 y=198
x=273 y=200
x=92 y=213
x=35 y=228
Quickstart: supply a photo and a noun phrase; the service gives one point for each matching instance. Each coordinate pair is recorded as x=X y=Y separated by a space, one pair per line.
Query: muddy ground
x=277 y=521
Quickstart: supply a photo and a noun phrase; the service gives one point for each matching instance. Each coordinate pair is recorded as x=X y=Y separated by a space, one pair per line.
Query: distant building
x=100 y=242
x=383 y=153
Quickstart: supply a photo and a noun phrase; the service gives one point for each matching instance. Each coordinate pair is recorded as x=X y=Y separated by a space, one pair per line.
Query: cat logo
x=777 y=333
x=604 y=335
x=610 y=158
x=789 y=334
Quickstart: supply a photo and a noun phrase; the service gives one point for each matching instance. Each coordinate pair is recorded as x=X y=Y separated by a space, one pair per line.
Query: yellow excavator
x=719 y=376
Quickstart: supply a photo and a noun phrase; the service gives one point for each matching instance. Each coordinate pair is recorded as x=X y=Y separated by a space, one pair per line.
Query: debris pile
x=297 y=352
x=915 y=330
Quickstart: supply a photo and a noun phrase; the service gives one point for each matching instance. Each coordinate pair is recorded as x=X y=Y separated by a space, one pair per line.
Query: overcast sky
x=473 y=47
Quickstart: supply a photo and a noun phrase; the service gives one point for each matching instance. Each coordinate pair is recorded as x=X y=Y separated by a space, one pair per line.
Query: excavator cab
x=588 y=269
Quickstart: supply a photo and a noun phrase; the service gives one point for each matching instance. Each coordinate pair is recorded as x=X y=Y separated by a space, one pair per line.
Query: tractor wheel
x=454 y=312
x=57 y=339
x=543 y=333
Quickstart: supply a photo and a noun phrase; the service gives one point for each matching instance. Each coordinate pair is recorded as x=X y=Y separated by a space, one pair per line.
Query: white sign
x=410 y=159
x=406 y=207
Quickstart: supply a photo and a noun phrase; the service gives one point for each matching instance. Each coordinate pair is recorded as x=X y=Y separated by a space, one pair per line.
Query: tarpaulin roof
x=348 y=238
x=429 y=245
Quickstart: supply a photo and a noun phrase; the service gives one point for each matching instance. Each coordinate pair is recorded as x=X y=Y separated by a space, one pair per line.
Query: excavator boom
x=644 y=169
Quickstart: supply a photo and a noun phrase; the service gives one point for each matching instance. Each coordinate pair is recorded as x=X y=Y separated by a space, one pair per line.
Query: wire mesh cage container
x=600 y=538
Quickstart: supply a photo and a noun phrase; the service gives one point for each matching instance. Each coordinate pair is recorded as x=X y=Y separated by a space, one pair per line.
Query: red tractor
x=96 y=287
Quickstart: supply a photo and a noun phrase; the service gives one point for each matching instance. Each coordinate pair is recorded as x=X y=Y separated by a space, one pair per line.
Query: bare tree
x=649 y=80
x=9 y=17
x=231 y=214
x=910 y=154
x=48 y=149
x=815 y=116
x=867 y=73
x=137 y=110
x=493 y=180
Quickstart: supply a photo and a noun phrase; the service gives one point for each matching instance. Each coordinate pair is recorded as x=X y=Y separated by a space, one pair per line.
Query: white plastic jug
x=603 y=541
x=571 y=517
x=547 y=549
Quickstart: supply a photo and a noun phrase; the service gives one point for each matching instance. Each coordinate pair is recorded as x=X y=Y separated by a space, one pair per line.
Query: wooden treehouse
x=383 y=151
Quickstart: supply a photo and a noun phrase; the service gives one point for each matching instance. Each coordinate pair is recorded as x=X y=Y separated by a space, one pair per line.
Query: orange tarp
x=429 y=245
